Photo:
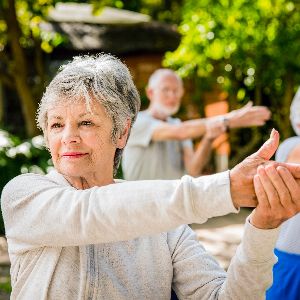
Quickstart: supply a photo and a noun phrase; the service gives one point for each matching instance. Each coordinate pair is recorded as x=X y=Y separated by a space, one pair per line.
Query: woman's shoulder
x=29 y=183
x=22 y=180
x=27 y=179
x=17 y=188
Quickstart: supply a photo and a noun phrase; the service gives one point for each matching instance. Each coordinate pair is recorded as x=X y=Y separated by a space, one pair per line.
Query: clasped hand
x=278 y=195
x=273 y=188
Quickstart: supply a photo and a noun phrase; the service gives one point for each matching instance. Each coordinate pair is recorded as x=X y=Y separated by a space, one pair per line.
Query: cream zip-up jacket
x=126 y=241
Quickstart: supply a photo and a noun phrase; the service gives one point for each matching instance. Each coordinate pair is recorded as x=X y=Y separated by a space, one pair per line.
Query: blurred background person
x=160 y=147
x=295 y=113
x=286 y=272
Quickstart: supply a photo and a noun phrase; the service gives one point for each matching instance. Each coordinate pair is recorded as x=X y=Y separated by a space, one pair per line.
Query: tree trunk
x=1 y=104
x=40 y=68
x=20 y=70
x=257 y=93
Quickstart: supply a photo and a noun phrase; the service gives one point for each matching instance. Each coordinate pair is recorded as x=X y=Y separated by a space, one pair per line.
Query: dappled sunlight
x=221 y=242
x=220 y=236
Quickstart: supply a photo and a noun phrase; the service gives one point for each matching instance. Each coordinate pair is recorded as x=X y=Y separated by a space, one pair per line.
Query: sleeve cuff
x=215 y=189
x=258 y=244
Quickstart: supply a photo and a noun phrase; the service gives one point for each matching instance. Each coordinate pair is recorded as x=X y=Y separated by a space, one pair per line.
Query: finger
x=260 y=193
x=268 y=149
x=259 y=108
x=249 y=104
x=256 y=122
x=293 y=168
x=260 y=111
x=282 y=190
x=269 y=189
x=291 y=183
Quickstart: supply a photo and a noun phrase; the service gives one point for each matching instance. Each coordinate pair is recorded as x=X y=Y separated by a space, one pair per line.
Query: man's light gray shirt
x=147 y=159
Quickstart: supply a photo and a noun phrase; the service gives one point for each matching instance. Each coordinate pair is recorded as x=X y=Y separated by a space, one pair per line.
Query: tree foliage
x=250 y=48
x=161 y=10
x=23 y=43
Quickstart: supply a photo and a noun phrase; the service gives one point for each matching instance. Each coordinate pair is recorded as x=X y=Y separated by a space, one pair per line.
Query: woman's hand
x=278 y=195
x=241 y=176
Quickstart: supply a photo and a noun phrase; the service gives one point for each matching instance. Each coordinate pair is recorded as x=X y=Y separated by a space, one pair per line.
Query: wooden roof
x=113 y=30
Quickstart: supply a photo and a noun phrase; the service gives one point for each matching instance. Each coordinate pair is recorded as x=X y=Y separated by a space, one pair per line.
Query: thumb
x=249 y=104
x=267 y=150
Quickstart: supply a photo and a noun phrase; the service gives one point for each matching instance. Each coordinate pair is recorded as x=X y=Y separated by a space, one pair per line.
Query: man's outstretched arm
x=246 y=116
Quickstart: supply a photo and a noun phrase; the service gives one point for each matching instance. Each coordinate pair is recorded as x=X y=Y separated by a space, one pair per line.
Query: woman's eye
x=56 y=125
x=86 y=123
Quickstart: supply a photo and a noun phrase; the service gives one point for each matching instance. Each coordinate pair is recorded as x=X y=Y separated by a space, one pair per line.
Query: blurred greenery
x=161 y=10
x=23 y=44
x=248 y=48
x=17 y=157
x=5 y=286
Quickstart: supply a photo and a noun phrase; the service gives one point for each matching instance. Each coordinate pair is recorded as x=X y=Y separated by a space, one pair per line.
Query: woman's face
x=80 y=141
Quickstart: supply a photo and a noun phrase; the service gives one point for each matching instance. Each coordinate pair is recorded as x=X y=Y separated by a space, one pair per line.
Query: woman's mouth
x=73 y=154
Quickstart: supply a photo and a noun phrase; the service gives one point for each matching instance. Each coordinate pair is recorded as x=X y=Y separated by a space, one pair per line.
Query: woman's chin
x=71 y=171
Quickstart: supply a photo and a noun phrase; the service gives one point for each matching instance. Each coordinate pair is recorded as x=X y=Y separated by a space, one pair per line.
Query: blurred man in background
x=160 y=147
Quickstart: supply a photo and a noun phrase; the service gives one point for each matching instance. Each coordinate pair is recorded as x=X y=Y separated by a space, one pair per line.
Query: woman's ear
x=122 y=140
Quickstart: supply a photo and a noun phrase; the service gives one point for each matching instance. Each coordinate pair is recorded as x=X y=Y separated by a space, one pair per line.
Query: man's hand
x=241 y=176
x=214 y=128
x=248 y=116
x=278 y=196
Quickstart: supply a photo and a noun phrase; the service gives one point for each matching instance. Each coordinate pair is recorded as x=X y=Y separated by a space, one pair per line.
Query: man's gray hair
x=157 y=75
x=101 y=77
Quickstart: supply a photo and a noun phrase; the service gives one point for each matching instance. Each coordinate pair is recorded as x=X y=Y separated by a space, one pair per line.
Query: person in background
x=295 y=113
x=286 y=272
x=160 y=146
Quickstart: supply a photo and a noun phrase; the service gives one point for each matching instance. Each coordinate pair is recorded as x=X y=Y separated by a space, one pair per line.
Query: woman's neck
x=82 y=183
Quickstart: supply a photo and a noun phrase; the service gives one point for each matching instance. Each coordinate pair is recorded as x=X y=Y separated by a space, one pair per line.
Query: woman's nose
x=70 y=135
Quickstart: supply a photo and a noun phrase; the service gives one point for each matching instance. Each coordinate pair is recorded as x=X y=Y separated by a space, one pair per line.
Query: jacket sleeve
x=198 y=276
x=39 y=212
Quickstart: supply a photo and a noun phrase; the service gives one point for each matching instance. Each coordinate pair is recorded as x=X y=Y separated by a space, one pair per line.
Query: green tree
x=161 y=10
x=23 y=44
x=248 y=47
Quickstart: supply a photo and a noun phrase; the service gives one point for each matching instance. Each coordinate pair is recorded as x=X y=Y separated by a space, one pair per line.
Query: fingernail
x=273 y=133
x=280 y=168
x=260 y=168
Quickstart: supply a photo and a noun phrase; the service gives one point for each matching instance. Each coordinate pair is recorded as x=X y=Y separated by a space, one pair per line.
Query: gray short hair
x=157 y=75
x=101 y=77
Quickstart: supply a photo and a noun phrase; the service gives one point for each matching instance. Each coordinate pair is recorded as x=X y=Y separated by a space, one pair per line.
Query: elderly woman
x=76 y=233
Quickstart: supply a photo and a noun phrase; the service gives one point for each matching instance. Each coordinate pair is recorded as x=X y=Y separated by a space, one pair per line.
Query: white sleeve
x=198 y=276
x=38 y=211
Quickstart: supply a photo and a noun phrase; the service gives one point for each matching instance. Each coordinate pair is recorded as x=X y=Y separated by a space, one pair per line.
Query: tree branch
x=7 y=80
